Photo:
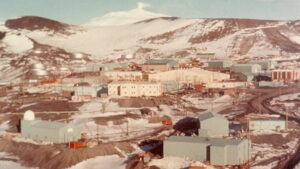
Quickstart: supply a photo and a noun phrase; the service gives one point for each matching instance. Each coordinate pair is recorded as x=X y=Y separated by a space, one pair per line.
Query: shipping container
x=76 y=145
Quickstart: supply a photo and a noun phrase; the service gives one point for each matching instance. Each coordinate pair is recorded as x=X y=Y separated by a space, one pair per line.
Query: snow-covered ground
x=176 y=163
x=103 y=162
x=3 y=127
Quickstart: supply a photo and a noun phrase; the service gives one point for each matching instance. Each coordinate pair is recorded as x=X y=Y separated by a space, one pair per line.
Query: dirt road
x=260 y=104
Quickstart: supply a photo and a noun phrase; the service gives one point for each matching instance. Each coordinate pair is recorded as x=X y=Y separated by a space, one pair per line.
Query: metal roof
x=209 y=115
x=245 y=65
x=206 y=140
x=171 y=62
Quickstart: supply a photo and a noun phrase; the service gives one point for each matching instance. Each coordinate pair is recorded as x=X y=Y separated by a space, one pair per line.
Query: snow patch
x=17 y=43
x=103 y=162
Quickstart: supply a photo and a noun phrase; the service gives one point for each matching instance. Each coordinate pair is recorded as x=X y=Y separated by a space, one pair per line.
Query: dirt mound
x=57 y=156
x=277 y=140
x=36 y=23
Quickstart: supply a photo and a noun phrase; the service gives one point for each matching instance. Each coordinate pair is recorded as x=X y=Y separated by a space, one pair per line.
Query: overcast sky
x=80 y=11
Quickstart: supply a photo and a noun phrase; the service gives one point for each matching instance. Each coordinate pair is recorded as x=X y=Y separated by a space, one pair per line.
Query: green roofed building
x=219 y=63
x=265 y=64
x=246 y=68
x=42 y=130
x=172 y=63
x=219 y=151
x=213 y=124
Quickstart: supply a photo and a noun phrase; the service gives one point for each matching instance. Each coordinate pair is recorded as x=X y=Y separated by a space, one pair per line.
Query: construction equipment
x=144 y=157
x=167 y=122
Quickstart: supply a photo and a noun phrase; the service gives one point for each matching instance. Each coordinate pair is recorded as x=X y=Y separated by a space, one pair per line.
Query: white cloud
x=142 y=5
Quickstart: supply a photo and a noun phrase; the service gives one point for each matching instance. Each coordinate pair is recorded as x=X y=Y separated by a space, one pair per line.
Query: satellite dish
x=29 y=115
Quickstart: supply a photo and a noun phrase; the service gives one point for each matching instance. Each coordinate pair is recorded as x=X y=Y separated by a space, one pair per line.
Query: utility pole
x=127 y=129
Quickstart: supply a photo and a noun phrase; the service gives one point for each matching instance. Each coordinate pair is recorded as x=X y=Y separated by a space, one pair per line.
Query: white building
x=193 y=76
x=124 y=75
x=134 y=89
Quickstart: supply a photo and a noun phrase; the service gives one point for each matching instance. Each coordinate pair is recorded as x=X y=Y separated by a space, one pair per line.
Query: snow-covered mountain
x=125 y=17
x=29 y=41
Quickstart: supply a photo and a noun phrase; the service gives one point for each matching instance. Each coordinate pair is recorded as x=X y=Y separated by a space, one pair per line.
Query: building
x=270 y=84
x=41 y=130
x=189 y=76
x=157 y=67
x=86 y=91
x=206 y=55
x=285 y=75
x=247 y=77
x=135 y=89
x=169 y=86
x=124 y=75
x=96 y=67
x=267 y=124
x=219 y=64
x=172 y=63
x=218 y=151
x=265 y=64
x=222 y=85
x=246 y=68
x=213 y=125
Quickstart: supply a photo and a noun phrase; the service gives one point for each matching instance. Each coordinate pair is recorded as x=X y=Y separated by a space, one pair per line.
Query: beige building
x=193 y=76
x=158 y=67
x=124 y=75
x=134 y=89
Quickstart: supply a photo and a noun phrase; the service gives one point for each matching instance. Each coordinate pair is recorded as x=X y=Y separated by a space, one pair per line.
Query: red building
x=285 y=75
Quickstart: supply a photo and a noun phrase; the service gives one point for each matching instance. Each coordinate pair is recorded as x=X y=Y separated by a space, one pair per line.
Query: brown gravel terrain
x=58 y=156
x=144 y=102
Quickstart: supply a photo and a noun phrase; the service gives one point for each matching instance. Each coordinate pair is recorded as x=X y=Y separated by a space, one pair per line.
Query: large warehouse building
x=42 y=130
x=219 y=151
x=189 y=76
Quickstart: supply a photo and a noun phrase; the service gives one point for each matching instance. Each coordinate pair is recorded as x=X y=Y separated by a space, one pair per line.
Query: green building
x=42 y=130
x=213 y=124
x=246 y=68
x=265 y=64
x=219 y=151
x=266 y=124
x=247 y=77
x=172 y=63
x=219 y=64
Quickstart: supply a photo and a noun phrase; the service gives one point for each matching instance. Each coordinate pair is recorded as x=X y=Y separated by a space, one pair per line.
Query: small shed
x=267 y=124
x=213 y=124
x=42 y=130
